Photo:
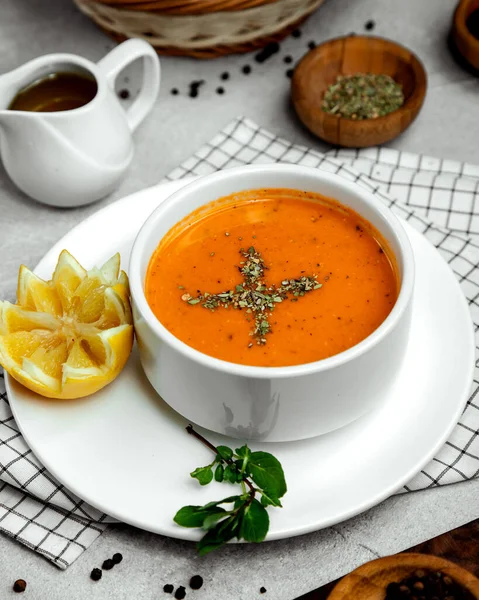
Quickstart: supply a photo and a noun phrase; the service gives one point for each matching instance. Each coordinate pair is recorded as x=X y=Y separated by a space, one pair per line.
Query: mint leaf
x=194 y=516
x=266 y=471
x=230 y=474
x=229 y=499
x=213 y=518
x=218 y=535
x=246 y=516
x=243 y=452
x=219 y=473
x=225 y=452
x=255 y=522
x=270 y=500
x=203 y=474
x=224 y=501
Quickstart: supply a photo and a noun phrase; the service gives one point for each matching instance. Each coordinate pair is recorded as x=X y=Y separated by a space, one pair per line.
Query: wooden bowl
x=369 y=582
x=347 y=56
x=465 y=42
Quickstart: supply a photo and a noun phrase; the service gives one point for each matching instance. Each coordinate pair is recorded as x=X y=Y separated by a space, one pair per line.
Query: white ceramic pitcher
x=74 y=157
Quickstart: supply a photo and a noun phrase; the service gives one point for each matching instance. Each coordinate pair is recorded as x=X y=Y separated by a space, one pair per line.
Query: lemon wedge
x=70 y=336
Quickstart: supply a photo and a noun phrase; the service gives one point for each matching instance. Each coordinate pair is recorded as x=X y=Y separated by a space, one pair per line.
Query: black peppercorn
x=419 y=586
x=311 y=45
x=96 y=574
x=108 y=564
x=220 y=90
x=288 y=59
x=180 y=593
x=224 y=76
x=369 y=25
x=296 y=33
x=194 y=87
x=20 y=585
x=262 y=590
x=267 y=52
x=420 y=574
x=246 y=69
x=196 y=582
x=174 y=91
x=168 y=588
x=117 y=558
x=289 y=73
x=124 y=94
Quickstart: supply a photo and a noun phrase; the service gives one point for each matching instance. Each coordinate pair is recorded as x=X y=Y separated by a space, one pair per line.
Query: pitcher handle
x=121 y=56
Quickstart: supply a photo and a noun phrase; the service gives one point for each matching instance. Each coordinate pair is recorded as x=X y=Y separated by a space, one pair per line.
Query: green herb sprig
x=253 y=295
x=243 y=516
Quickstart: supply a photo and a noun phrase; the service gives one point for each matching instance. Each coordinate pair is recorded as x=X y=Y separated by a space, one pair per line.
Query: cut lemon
x=71 y=336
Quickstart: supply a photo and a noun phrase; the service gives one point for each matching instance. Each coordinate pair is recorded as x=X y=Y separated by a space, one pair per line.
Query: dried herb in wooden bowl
x=363 y=96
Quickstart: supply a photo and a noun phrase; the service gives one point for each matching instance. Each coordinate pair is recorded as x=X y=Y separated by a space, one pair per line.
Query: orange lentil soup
x=287 y=277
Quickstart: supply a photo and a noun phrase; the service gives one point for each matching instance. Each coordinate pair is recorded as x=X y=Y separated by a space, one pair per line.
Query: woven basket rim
x=184 y=7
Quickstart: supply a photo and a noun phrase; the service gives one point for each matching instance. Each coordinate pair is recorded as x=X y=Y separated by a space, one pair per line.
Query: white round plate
x=126 y=452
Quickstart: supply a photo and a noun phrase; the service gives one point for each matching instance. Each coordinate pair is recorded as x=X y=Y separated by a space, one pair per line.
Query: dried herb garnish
x=363 y=96
x=253 y=295
x=246 y=517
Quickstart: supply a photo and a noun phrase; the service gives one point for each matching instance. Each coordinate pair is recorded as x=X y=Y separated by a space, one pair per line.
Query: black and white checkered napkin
x=438 y=197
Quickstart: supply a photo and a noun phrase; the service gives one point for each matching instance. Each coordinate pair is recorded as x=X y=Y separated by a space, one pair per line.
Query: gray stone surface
x=447 y=127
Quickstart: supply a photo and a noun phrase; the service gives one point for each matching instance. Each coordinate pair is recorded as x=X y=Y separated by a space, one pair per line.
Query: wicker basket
x=199 y=28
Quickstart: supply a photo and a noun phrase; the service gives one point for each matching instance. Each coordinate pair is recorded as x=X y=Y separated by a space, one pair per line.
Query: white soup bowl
x=271 y=403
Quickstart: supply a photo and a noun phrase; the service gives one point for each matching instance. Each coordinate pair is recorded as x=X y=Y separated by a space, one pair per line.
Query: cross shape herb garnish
x=253 y=295
x=245 y=517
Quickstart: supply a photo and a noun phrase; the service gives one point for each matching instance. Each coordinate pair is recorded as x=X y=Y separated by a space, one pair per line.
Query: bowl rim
x=413 y=561
x=413 y=102
x=141 y=305
x=459 y=23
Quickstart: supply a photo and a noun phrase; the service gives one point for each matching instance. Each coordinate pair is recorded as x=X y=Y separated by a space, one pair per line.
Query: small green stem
x=203 y=440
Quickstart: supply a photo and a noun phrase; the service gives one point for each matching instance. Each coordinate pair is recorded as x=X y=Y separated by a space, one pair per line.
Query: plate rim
x=192 y=535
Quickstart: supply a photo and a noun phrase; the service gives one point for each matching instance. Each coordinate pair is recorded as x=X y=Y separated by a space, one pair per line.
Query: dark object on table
x=369 y=25
x=311 y=45
x=220 y=90
x=194 y=88
x=472 y=23
x=196 y=582
x=108 y=564
x=117 y=558
x=174 y=91
x=96 y=574
x=465 y=31
x=246 y=69
x=20 y=585
x=350 y=55
x=407 y=575
x=427 y=585
x=168 y=588
x=124 y=94
x=224 y=76
x=262 y=590
x=180 y=593
x=288 y=59
x=267 y=52
x=296 y=33
x=290 y=73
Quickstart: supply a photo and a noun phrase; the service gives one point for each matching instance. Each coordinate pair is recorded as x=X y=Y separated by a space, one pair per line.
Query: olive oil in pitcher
x=56 y=92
